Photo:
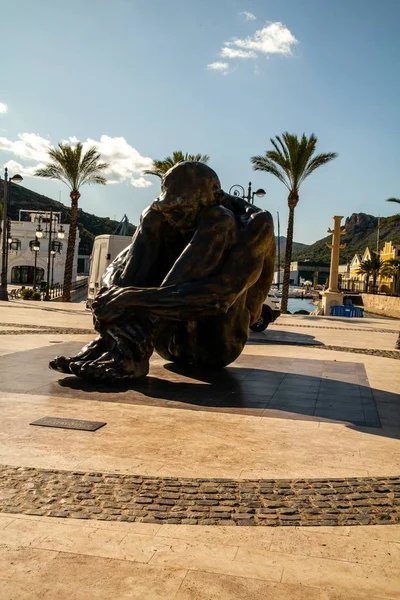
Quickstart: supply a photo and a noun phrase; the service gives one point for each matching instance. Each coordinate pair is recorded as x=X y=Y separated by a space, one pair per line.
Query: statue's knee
x=263 y=221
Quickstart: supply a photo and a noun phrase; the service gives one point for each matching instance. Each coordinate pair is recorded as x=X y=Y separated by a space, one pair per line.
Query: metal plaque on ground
x=69 y=423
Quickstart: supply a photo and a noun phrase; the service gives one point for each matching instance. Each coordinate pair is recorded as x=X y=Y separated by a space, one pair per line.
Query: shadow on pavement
x=260 y=386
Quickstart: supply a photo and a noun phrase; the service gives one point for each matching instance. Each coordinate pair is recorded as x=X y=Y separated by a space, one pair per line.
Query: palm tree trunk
x=69 y=260
x=288 y=259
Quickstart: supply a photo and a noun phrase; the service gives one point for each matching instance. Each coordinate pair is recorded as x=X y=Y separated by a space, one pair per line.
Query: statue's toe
x=61 y=364
x=76 y=367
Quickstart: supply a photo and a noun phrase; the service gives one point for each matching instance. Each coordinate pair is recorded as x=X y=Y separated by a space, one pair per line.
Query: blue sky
x=132 y=76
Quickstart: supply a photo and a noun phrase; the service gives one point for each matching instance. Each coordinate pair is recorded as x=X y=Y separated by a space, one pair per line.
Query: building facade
x=28 y=249
x=354 y=281
x=307 y=270
x=389 y=252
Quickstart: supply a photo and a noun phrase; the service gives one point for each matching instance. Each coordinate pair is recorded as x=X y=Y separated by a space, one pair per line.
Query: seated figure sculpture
x=189 y=286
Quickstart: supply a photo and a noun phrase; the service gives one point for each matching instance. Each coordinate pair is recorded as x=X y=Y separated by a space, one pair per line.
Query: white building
x=33 y=231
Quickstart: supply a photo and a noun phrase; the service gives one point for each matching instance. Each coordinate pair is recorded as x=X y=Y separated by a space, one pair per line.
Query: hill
x=297 y=246
x=361 y=231
x=20 y=198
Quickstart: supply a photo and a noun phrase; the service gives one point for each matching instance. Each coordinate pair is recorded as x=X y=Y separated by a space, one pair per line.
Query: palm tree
x=291 y=161
x=73 y=167
x=365 y=268
x=160 y=167
x=391 y=268
x=371 y=267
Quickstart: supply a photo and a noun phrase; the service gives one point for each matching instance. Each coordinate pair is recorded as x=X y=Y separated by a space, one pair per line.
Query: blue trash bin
x=346 y=311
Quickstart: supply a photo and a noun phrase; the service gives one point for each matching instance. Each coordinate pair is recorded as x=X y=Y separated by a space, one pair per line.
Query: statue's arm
x=133 y=265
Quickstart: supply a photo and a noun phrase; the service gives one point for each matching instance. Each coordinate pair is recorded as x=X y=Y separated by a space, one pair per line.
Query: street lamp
x=4 y=252
x=35 y=247
x=55 y=248
x=237 y=188
x=279 y=253
x=51 y=252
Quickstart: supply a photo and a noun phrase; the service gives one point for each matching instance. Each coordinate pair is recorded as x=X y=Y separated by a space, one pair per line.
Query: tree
x=391 y=268
x=160 y=167
x=73 y=167
x=371 y=268
x=365 y=268
x=292 y=160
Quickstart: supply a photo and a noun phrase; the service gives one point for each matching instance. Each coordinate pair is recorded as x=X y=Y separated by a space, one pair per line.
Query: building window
x=24 y=274
x=15 y=244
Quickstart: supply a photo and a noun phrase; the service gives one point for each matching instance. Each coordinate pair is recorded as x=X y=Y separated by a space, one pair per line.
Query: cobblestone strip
x=41 y=329
x=320 y=346
x=322 y=326
x=113 y=497
x=57 y=331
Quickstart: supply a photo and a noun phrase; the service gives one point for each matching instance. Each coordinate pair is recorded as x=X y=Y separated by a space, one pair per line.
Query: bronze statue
x=189 y=286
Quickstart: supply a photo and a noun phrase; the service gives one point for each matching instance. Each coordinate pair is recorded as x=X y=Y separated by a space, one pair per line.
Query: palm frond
x=397 y=200
x=315 y=163
x=264 y=163
x=293 y=158
x=74 y=169
x=152 y=172
x=371 y=266
x=391 y=268
x=160 y=167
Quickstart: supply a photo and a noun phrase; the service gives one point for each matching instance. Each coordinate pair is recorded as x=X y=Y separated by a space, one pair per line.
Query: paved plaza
x=278 y=477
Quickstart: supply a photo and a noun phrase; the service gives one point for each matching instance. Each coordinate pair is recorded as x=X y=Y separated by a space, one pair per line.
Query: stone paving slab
x=323 y=389
x=265 y=502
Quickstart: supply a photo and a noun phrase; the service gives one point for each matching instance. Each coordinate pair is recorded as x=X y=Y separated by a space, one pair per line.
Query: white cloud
x=236 y=53
x=15 y=167
x=140 y=182
x=3 y=108
x=29 y=146
x=126 y=163
x=248 y=16
x=219 y=66
x=274 y=38
x=124 y=160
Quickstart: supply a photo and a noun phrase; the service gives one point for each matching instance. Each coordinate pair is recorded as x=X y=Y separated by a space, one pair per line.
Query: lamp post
x=4 y=249
x=9 y=242
x=35 y=247
x=237 y=188
x=53 y=255
x=279 y=252
x=51 y=231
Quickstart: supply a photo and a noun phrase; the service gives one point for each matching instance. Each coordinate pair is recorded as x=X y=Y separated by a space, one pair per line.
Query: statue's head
x=185 y=189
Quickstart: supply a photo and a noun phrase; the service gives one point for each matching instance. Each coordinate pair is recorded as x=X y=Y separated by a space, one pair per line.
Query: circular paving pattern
x=116 y=497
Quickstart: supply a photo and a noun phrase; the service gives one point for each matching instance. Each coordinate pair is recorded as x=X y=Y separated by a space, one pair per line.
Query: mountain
x=361 y=230
x=296 y=246
x=20 y=198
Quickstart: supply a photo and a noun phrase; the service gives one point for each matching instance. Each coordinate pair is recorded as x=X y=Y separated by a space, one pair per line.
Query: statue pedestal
x=331 y=299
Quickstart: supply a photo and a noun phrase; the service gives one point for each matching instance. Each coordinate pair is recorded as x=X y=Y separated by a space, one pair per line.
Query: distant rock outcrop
x=361 y=231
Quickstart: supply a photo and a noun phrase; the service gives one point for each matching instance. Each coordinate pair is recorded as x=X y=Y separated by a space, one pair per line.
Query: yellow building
x=388 y=252
x=354 y=281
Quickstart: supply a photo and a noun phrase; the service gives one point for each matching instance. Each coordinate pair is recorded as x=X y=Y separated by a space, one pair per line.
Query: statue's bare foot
x=109 y=368
x=91 y=351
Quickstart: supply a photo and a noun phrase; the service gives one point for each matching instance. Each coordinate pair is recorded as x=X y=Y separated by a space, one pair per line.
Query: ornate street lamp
x=55 y=249
x=35 y=247
x=4 y=253
x=51 y=252
x=237 y=188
